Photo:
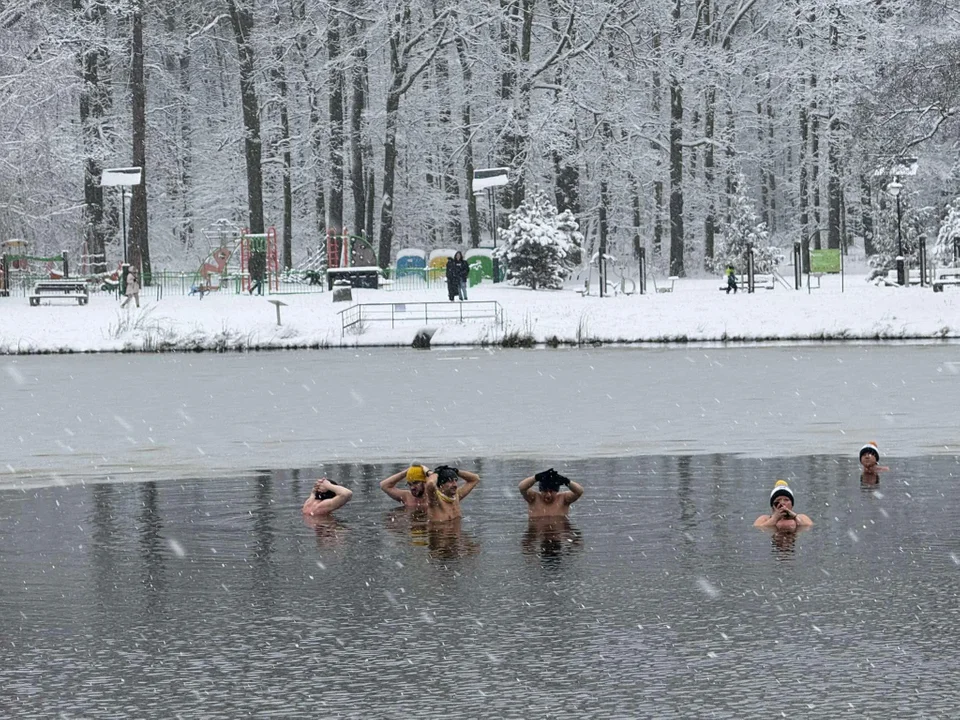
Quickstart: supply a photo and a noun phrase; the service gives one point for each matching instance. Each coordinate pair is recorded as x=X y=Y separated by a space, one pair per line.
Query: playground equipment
x=265 y=245
x=411 y=261
x=345 y=250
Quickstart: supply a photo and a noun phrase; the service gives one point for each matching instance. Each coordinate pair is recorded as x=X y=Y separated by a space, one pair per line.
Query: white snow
x=696 y=310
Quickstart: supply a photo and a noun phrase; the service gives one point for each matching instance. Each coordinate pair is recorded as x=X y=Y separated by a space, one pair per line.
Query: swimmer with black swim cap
x=549 y=501
x=326 y=497
x=443 y=493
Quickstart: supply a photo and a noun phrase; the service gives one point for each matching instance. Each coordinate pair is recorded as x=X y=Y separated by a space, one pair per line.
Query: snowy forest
x=649 y=121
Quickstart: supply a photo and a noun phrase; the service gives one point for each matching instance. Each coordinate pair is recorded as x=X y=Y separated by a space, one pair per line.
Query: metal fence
x=356 y=316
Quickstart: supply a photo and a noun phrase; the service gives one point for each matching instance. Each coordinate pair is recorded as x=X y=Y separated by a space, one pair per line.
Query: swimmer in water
x=782 y=517
x=415 y=494
x=549 y=501
x=326 y=497
x=443 y=494
x=869 y=464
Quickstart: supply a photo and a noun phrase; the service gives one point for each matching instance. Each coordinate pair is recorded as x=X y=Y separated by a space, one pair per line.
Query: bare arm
x=803 y=521
x=472 y=480
x=765 y=521
x=312 y=506
x=576 y=492
x=432 y=491
x=526 y=490
x=389 y=486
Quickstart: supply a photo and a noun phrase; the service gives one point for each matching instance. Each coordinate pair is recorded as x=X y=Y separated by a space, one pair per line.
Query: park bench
x=945 y=276
x=913 y=277
x=59 y=290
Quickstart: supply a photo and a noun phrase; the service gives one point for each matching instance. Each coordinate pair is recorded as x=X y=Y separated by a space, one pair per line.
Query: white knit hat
x=780 y=488
x=870 y=447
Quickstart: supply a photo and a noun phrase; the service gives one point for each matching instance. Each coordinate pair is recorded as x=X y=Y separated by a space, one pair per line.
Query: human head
x=447 y=479
x=458 y=255
x=326 y=494
x=870 y=449
x=416 y=479
x=781 y=489
x=550 y=482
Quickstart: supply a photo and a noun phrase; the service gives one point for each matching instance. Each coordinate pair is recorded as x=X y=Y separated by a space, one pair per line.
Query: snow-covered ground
x=696 y=310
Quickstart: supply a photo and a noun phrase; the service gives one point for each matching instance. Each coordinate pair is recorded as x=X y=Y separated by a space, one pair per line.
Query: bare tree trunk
x=866 y=216
x=466 y=131
x=95 y=101
x=676 y=158
x=241 y=17
x=335 y=81
x=814 y=118
x=834 y=187
x=139 y=239
x=358 y=103
x=279 y=74
x=658 y=205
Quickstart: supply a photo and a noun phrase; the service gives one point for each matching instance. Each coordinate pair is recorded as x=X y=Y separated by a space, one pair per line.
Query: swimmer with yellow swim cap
x=782 y=517
x=414 y=496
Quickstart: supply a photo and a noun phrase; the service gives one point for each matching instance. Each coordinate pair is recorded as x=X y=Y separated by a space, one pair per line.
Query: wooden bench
x=60 y=290
x=945 y=276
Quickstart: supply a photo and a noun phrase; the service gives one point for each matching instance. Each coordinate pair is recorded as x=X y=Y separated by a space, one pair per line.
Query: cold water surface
x=135 y=417
x=658 y=599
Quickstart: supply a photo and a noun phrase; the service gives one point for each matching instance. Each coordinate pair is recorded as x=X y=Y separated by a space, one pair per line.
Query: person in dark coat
x=258 y=269
x=458 y=272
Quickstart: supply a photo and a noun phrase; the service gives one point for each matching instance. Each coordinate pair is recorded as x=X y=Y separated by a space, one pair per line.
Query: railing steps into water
x=429 y=312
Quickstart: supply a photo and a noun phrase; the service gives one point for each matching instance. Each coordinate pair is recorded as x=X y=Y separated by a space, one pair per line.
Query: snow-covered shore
x=696 y=310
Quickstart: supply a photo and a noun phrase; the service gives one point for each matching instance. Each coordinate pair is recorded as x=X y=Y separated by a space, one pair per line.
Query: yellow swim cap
x=416 y=474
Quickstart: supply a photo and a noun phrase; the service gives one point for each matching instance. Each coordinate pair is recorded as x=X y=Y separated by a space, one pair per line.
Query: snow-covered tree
x=888 y=240
x=943 y=250
x=540 y=246
x=745 y=230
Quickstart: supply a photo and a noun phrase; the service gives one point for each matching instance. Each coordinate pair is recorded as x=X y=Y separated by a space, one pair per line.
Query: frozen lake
x=215 y=599
x=155 y=563
x=137 y=417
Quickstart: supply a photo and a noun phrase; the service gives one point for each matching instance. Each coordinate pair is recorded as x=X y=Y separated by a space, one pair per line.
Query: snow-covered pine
x=540 y=246
x=744 y=230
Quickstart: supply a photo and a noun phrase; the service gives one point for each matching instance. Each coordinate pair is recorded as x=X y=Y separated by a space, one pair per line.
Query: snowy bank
x=696 y=310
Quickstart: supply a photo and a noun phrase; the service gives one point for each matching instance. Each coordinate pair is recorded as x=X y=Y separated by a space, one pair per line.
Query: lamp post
x=895 y=188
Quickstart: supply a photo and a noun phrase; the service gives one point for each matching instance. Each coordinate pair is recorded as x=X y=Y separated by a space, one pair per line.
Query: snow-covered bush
x=540 y=246
x=943 y=252
x=745 y=230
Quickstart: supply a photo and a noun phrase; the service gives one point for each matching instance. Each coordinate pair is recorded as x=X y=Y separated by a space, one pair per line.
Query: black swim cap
x=550 y=480
x=445 y=474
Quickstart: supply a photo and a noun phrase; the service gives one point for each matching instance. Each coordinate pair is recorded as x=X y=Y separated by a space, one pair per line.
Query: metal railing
x=469 y=310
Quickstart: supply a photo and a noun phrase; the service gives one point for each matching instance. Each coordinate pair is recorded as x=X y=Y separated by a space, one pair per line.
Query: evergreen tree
x=745 y=230
x=541 y=246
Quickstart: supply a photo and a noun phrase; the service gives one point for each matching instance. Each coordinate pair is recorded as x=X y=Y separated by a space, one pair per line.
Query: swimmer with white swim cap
x=782 y=517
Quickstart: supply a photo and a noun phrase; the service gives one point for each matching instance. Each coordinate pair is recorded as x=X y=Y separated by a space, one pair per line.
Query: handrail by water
x=420 y=311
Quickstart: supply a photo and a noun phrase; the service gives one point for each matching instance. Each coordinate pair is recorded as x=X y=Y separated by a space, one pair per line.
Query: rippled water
x=658 y=599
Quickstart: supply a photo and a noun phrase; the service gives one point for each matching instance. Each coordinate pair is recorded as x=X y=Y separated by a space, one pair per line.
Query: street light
x=895 y=188
x=124 y=177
